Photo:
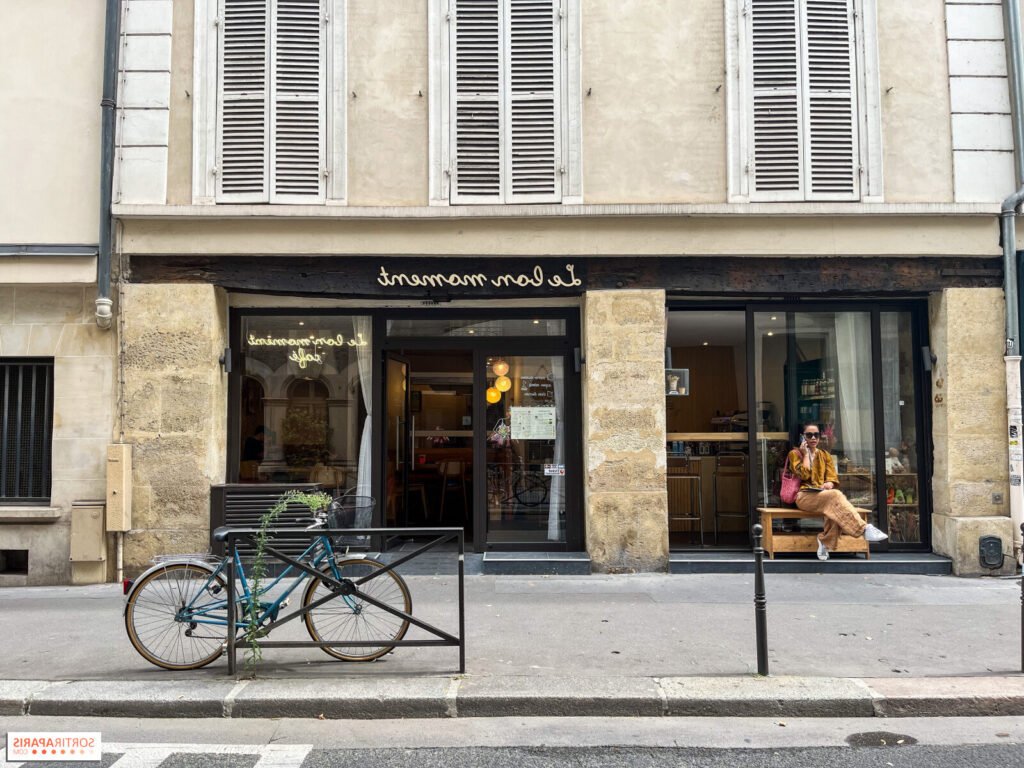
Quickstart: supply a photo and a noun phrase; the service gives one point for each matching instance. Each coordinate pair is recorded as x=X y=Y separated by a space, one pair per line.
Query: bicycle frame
x=205 y=614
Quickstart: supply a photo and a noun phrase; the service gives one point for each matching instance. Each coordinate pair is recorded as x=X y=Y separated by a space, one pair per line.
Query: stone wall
x=174 y=415
x=624 y=430
x=57 y=321
x=970 y=480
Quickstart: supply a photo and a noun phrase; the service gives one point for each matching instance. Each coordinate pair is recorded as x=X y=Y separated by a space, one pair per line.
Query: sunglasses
x=812 y=435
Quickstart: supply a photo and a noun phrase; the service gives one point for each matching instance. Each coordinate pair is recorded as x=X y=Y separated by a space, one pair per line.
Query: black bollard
x=232 y=544
x=760 y=603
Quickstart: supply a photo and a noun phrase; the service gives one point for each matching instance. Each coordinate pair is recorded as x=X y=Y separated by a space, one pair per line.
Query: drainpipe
x=112 y=34
x=1008 y=233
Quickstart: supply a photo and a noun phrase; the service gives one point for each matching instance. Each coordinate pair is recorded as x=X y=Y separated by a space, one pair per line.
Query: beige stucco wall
x=626 y=507
x=607 y=236
x=50 y=120
x=653 y=122
x=654 y=117
x=916 y=132
x=175 y=415
x=387 y=103
x=968 y=424
x=56 y=321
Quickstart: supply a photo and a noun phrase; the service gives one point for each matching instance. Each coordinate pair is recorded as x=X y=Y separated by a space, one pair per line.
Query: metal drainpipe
x=1008 y=232
x=111 y=42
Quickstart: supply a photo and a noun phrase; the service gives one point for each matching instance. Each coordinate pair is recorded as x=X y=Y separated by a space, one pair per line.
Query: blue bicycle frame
x=206 y=614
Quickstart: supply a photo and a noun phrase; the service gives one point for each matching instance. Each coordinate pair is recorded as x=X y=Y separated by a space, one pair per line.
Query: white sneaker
x=873 y=534
x=822 y=550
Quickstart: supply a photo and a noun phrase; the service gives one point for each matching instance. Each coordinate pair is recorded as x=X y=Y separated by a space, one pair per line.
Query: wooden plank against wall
x=374 y=277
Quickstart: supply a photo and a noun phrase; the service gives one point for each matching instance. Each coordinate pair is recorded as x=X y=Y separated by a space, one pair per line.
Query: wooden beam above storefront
x=521 y=277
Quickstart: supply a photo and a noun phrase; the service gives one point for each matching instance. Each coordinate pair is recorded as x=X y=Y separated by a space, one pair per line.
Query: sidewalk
x=840 y=645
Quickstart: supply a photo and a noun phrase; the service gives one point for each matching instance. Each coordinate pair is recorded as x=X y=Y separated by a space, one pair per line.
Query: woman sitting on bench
x=818 y=493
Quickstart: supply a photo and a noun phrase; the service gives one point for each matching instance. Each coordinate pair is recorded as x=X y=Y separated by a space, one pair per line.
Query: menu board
x=533 y=423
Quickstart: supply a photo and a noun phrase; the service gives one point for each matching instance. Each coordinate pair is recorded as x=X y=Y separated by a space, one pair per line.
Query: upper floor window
x=26 y=430
x=269 y=101
x=805 y=121
x=505 y=101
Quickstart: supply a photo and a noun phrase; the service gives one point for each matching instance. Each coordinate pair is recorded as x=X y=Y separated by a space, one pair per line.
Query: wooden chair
x=453 y=475
x=731 y=468
x=685 y=502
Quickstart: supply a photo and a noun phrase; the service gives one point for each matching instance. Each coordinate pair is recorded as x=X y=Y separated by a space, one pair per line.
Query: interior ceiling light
x=493 y=395
x=500 y=368
x=704 y=344
x=771 y=333
x=503 y=383
x=536 y=322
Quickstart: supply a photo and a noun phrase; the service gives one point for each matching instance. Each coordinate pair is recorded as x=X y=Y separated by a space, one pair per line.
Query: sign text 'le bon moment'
x=534 y=278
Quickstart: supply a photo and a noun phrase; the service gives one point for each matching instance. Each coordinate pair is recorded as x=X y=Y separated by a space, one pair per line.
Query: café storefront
x=602 y=406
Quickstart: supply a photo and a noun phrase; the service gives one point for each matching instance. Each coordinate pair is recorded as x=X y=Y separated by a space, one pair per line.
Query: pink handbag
x=790 y=486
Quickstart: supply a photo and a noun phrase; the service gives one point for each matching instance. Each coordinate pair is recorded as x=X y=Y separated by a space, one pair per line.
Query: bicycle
x=176 y=613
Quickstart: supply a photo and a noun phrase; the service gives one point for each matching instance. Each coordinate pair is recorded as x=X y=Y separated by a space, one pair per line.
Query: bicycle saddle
x=221 y=533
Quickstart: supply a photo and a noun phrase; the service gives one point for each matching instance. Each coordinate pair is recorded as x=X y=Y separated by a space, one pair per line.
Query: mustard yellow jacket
x=823 y=469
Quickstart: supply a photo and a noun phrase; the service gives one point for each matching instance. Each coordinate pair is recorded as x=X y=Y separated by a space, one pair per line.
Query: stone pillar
x=624 y=430
x=175 y=415
x=970 y=481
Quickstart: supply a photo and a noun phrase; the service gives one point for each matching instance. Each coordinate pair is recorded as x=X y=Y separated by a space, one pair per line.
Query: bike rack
x=439 y=536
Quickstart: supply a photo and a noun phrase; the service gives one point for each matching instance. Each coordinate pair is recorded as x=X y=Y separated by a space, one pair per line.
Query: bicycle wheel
x=151 y=617
x=352 y=618
x=531 y=489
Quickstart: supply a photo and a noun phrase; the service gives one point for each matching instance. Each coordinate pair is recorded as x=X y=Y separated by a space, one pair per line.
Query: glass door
x=817 y=368
x=523 y=401
x=397 y=440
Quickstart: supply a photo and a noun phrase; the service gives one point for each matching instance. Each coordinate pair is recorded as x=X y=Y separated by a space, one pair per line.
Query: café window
x=305 y=404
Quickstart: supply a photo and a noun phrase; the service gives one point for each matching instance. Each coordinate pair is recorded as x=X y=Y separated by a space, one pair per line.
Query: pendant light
x=503 y=383
x=500 y=368
x=492 y=395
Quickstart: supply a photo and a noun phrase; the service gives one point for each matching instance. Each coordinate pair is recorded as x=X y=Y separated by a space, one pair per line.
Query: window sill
x=29 y=515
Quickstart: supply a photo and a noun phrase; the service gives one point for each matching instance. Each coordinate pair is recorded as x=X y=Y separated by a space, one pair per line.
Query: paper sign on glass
x=533 y=423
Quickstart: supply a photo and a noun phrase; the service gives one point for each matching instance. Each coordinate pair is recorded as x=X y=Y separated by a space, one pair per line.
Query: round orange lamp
x=503 y=383
x=500 y=368
x=492 y=395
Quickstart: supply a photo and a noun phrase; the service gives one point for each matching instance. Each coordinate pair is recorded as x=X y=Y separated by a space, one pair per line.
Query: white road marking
x=152 y=755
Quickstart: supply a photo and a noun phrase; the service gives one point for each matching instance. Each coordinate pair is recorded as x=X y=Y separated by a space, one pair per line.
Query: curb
x=465 y=696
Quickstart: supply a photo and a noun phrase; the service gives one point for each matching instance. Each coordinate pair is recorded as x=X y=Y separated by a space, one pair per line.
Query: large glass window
x=707 y=422
x=305 y=405
x=815 y=367
x=902 y=489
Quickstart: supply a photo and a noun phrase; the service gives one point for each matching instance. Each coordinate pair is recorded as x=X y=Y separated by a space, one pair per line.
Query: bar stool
x=685 y=502
x=731 y=466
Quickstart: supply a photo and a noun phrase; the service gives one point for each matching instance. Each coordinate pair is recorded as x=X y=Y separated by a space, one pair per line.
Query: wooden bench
x=803 y=541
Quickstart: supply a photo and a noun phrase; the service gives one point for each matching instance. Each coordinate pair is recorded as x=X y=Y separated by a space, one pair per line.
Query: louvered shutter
x=476 y=114
x=833 y=166
x=803 y=119
x=297 y=102
x=533 y=124
x=774 y=65
x=505 y=116
x=243 y=131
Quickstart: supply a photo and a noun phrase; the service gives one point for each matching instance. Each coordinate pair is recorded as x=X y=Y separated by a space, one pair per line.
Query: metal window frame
x=40 y=424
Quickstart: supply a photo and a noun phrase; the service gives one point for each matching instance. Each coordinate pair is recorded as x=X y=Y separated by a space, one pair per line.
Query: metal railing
x=245 y=538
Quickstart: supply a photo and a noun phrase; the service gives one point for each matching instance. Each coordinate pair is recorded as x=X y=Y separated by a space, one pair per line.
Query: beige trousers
x=840 y=515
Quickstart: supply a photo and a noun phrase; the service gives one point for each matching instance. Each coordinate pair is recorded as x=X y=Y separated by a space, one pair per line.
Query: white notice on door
x=533 y=423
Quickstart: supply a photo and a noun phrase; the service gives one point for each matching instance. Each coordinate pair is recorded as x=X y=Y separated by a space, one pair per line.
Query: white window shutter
x=476 y=101
x=832 y=156
x=533 y=123
x=775 y=87
x=242 y=125
x=297 y=102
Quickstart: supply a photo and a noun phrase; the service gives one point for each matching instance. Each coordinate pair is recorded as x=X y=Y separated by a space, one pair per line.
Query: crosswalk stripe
x=283 y=755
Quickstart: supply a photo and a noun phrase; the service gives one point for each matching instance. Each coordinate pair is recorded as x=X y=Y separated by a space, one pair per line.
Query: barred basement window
x=26 y=429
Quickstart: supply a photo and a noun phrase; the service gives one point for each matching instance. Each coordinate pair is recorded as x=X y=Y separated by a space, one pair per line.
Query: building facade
x=57 y=367
x=570 y=275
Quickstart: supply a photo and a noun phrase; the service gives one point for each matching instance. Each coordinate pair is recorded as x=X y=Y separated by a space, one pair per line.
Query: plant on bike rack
x=315 y=502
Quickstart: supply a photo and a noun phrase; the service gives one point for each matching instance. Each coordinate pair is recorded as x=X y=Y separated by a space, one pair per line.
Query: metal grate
x=26 y=430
